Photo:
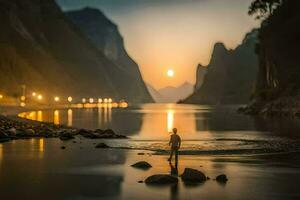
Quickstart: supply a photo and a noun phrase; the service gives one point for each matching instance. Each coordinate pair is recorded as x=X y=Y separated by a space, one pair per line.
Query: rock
x=140 y=154
x=30 y=132
x=102 y=146
x=12 y=131
x=84 y=132
x=222 y=178
x=142 y=165
x=140 y=181
x=66 y=135
x=100 y=131
x=63 y=147
x=109 y=132
x=193 y=176
x=161 y=179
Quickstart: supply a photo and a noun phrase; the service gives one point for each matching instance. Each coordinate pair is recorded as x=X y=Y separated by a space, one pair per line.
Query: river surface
x=259 y=156
x=203 y=129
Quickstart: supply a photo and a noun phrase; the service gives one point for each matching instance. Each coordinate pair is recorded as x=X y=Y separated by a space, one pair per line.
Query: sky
x=173 y=34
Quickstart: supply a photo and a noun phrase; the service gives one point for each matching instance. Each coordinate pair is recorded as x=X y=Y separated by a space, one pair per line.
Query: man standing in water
x=175 y=142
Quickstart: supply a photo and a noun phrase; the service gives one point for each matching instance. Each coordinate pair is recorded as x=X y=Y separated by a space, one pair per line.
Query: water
x=203 y=129
x=256 y=155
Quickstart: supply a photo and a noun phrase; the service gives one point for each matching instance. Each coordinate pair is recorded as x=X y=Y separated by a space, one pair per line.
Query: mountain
x=200 y=74
x=158 y=98
x=174 y=94
x=42 y=49
x=230 y=75
x=278 y=85
x=105 y=35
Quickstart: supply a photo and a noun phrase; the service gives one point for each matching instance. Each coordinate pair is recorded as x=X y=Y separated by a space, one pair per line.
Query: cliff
x=278 y=85
x=230 y=75
x=200 y=74
x=42 y=49
x=104 y=34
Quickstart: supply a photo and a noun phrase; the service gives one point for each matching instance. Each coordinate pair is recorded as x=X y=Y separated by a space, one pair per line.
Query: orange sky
x=176 y=34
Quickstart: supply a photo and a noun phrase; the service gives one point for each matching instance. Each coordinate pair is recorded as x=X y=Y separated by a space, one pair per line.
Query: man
x=175 y=142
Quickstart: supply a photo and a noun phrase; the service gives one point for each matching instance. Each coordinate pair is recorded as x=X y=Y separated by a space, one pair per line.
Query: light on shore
x=105 y=100
x=33 y=94
x=70 y=99
x=100 y=100
x=56 y=99
x=1 y=96
x=91 y=100
x=40 y=97
x=110 y=100
x=84 y=100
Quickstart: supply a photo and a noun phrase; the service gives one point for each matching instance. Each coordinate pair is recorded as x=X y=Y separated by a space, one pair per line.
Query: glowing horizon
x=181 y=34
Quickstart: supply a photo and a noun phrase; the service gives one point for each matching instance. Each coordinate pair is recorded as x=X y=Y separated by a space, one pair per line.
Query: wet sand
x=40 y=169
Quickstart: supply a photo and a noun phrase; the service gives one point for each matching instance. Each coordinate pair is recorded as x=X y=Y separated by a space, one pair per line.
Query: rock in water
x=102 y=146
x=193 y=176
x=222 y=178
x=142 y=165
x=161 y=179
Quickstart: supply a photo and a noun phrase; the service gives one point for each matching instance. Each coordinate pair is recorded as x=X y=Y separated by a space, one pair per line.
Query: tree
x=263 y=8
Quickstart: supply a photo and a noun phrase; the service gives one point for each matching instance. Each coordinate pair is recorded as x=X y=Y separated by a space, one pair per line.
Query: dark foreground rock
x=102 y=146
x=193 y=176
x=142 y=165
x=161 y=179
x=222 y=178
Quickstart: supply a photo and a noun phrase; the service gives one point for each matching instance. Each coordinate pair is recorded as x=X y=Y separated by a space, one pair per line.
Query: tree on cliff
x=263 y=8
x=278 y=85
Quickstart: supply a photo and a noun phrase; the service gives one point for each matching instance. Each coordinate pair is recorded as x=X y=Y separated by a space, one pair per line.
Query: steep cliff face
x=107 y=38
x=42 y=49
x=230 y=74
x=278 y=84
x=200 y=74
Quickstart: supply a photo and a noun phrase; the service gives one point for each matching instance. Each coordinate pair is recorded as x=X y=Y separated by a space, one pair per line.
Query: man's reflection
x=174 y=168
x=174 y=188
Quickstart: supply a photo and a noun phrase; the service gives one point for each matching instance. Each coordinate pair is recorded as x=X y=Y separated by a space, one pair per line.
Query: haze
x=176 y=34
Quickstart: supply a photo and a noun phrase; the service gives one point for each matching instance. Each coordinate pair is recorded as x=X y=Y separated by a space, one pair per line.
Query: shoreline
x=13 y=127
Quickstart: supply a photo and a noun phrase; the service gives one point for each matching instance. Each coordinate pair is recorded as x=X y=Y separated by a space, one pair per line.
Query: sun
x=170 y=73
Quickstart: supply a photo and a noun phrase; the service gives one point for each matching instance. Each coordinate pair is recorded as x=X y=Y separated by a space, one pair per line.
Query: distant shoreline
x=13 y=127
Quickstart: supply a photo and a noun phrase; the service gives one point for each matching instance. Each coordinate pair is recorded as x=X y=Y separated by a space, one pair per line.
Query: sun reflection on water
x=170 y=120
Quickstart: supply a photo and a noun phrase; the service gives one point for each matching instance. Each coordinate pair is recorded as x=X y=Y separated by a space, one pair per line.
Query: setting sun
x=170 y=73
